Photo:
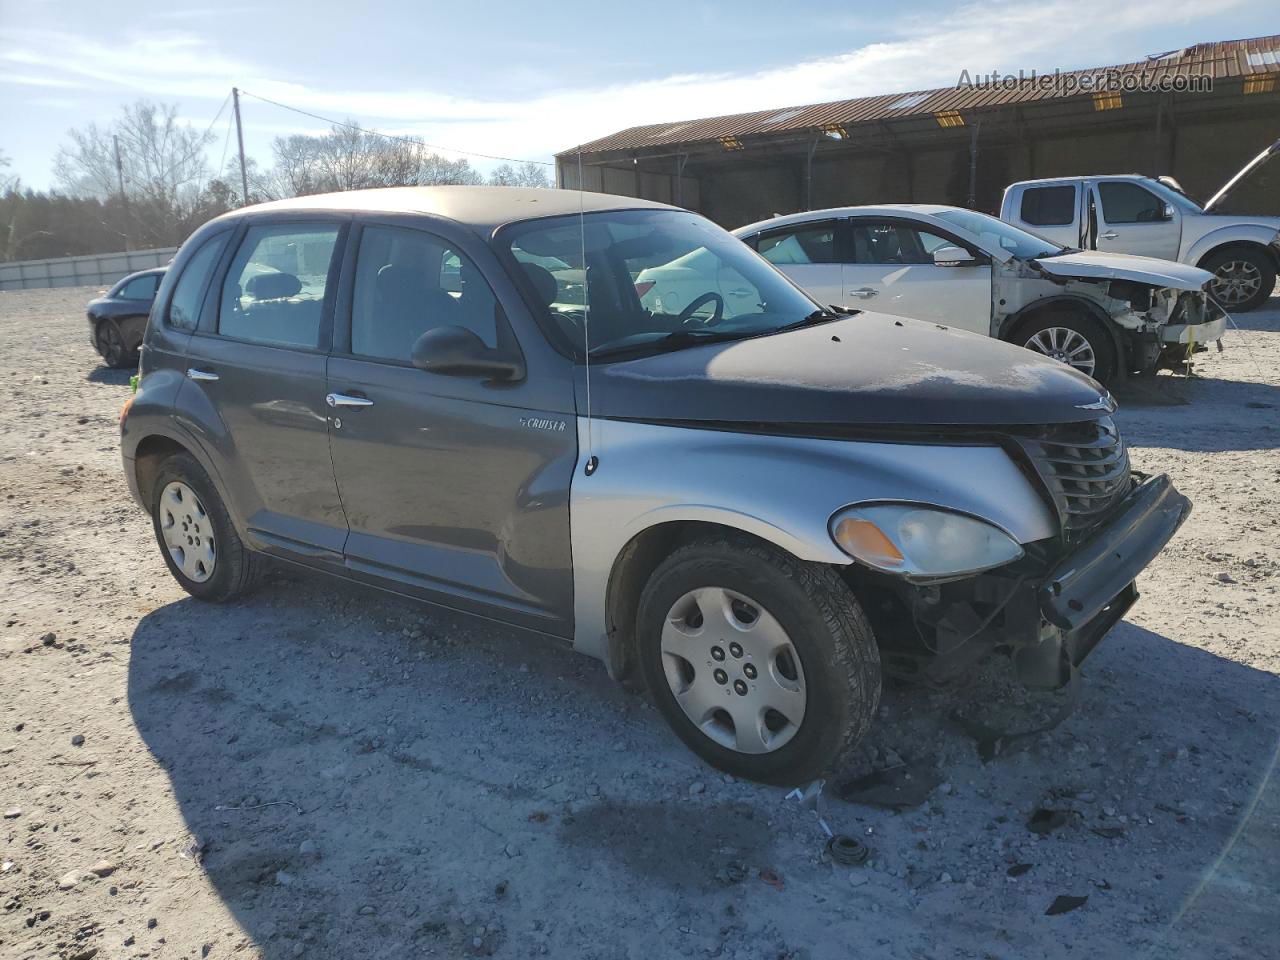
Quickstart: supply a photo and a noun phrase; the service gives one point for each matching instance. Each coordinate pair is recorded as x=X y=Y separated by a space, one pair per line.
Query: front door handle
x=344 y=400
x=865 y=293
x=206 y=375
x=1109 y=235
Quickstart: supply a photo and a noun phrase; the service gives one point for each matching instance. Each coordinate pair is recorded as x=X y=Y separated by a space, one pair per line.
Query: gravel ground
x=323 y=771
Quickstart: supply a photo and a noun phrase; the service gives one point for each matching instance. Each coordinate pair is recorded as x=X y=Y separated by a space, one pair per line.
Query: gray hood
x=1099 y=265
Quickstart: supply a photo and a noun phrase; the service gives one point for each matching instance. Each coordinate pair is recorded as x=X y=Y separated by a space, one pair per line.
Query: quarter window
x=188 y=295
x=408 y=282
x=274 y=291
x=140 y=288
x=808 y=243
x=1129 y=203
x=1049 y=206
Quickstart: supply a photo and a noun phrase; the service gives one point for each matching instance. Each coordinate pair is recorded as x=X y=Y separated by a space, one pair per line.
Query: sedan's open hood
x=1098 y=265
x=867 y=371
x=1245 y=171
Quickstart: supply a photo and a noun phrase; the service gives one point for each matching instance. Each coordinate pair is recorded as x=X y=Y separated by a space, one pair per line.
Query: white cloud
x=1006 y=35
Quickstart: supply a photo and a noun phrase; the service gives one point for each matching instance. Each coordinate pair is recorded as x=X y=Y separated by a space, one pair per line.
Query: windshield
x=997 y=233
x=652 y=280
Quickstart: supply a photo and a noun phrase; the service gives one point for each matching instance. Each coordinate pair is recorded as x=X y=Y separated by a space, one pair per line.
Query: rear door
x=808 y=253
x=1133 y=219
x=454 y=487
x=891 y=270
x=256 y=391
x=1054 y=211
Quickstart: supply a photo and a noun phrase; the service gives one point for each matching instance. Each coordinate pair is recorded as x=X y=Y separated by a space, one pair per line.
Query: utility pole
x=244 y=175
x=124 y=197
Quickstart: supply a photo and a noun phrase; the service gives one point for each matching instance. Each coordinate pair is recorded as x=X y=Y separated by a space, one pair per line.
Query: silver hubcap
x=187 y=532
x=1066 y=346
x=1236 y=281
x=733 y=670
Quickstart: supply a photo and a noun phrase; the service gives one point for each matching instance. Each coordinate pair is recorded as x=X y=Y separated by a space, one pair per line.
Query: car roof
x=482 y=208
x=140 y=273
x=1081 y=179
x=879 y=210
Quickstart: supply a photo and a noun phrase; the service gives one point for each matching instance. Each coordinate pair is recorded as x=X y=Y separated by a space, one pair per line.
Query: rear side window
x=184 y=306
x=1129 y=203
x=408 y=282
x=274 y=291
x=806 y=243
x=140 y=288
x=1049 y=206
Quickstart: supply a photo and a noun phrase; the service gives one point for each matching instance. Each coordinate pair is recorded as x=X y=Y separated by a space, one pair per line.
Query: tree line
x=145 y=180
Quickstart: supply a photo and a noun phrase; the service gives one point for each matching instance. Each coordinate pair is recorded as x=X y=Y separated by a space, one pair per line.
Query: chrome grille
x=1085 y=467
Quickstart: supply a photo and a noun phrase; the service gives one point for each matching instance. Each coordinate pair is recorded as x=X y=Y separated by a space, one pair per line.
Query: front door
x=1132 y=219
x=891 y=270
x=455 y=488
x=256 y=370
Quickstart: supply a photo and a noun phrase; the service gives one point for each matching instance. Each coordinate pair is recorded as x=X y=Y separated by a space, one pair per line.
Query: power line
x=411 y=140
x=200 y=144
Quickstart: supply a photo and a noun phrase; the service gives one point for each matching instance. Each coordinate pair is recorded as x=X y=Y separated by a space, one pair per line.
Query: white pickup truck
x=1152 y=217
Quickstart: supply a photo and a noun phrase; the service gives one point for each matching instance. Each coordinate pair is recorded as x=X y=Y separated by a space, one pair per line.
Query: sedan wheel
x=1066 y=346
x=111 y=344
x=187 y=532
x=733 y=670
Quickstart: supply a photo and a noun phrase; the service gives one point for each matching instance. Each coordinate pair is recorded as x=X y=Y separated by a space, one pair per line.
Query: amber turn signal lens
x=863 y=539
x=124 y=411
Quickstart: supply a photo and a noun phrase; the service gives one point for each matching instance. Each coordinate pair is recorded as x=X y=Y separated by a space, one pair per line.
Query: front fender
x=781 y=489
x=1248 y=233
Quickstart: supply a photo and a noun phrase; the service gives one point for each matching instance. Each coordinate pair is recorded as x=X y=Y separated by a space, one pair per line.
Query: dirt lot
x=323 y=771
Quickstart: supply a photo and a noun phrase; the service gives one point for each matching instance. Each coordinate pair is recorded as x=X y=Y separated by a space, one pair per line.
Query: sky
x=525 y=80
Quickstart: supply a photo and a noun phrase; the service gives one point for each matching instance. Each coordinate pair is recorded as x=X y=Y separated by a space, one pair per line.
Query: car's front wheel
x=1073 y=338
x=1243 y=278
x=197 y=539
x=763 y=664
x=110 y=340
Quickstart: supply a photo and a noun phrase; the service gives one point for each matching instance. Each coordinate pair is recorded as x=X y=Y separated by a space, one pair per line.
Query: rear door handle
x=194 y=374
x=345 y=400
x=865 y=293
x=1109 y=235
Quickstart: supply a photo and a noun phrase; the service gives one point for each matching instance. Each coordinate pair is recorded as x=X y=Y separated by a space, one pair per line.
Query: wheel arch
x=1268 y=252
x=1064 y=302
x=152 y=451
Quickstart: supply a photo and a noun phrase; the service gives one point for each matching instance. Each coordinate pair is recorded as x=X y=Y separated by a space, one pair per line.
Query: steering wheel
x=716 y=315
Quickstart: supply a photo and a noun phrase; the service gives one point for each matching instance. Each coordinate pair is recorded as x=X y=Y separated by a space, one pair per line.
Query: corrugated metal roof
x=1223 y=60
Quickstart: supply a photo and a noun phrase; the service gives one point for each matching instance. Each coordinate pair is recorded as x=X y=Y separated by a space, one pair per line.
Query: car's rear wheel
x=197 y=539
x=1243 y=278
x=1076 y=339
x=110 y=341
x=763 y=664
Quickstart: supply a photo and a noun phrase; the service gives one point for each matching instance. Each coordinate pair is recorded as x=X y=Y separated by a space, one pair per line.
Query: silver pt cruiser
x=756 y=507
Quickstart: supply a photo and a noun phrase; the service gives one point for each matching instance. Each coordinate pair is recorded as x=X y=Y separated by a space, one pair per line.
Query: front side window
x=890 y=243
x=638 y=281
x=188 y=295
x=1129 y=203
x=997 y=235
x=804 y=243
x=1049 y=206
x=140 y=288
x=274 y=291
x=408 y=282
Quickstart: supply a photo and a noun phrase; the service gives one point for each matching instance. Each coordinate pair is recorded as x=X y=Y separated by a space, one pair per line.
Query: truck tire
x=1074 y=338
x=1243 y=277
x=764 y=665
x=197 y=539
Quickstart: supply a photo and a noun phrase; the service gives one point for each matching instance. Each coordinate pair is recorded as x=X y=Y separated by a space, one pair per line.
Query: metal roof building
x=1197 y=114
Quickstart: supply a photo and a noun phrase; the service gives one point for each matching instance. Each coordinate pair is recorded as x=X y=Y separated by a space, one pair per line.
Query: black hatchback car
x=756 y=506
x=118 y=319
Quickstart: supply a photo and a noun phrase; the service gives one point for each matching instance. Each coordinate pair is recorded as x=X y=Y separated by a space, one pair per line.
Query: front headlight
x=921 y=542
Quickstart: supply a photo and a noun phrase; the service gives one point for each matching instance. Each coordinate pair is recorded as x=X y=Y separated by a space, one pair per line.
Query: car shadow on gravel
x=364 y=776
x=110 y=375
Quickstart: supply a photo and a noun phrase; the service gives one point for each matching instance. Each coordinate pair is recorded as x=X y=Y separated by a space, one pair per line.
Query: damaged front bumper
x=1048 y=612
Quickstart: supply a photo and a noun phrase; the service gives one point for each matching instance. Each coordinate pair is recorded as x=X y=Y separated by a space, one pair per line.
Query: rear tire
x=197 y=539
x=1074 y=338
x=1243 y=278
x=110 y=341
x=783 y=644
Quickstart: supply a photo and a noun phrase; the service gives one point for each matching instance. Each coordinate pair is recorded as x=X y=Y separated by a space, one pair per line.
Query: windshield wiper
x=676 y=340
x=825 y=315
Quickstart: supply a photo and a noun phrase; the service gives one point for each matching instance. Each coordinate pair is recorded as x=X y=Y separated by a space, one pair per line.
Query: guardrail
x=95 y=269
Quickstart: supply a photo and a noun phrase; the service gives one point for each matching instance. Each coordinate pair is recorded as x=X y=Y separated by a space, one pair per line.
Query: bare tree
x=528 y=174
x=8 y=181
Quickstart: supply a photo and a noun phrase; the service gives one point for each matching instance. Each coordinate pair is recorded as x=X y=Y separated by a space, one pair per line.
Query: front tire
x=197 y=539
x=764 y=665
x=111 y=345
x=1073 y=338
x=1243 y=278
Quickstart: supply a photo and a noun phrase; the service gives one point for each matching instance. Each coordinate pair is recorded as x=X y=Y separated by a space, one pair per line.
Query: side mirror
x=458 y=352
x=1166 y=212
x=953 y=257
